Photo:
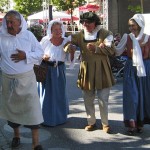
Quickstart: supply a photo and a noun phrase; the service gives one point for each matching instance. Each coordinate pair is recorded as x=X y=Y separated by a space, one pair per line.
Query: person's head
x=55 y=29
x=136 y=24
x=134 y=27
x=89 y=20
x=13 y=22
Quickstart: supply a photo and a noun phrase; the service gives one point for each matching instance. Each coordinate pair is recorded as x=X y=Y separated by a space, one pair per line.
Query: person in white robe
x=19 y=50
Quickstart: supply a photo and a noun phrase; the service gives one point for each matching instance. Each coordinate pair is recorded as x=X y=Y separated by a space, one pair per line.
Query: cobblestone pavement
x=72 y=136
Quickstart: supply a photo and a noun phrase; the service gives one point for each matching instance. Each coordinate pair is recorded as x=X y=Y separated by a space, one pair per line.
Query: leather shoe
x=15 y=142
x=106 y=129
x=90 y=127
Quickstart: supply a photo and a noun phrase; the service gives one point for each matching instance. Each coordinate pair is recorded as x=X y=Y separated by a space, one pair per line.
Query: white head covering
x=139 y=19
x=137 y=53
x=49 y=34
x=23 y=25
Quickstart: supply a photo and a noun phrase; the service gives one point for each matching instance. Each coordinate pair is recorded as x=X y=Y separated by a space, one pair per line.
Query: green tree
x=137 y=8
x=37 y=30
x=28 y=7
x=3 y=4
x=68 y=5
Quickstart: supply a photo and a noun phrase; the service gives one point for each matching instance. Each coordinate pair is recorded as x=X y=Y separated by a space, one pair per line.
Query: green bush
x=37 y=30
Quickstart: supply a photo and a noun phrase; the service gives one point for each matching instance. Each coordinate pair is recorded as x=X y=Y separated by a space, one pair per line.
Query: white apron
x=20 y=101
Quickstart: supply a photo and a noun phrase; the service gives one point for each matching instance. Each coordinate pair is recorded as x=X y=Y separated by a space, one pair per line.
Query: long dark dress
x=136 y=91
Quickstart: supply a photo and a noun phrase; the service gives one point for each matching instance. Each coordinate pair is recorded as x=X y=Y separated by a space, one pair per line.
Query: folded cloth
x=137 y=57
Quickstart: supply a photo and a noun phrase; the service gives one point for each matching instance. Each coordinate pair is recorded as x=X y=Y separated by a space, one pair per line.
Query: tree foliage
x=68 y=5
x=135 y=9
x=138 y=8
x=37 y=30
x=3 y=4
x=28 y=7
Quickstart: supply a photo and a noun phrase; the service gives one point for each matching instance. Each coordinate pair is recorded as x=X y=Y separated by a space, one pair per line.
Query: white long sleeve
x=24 y=41
x=121 y=45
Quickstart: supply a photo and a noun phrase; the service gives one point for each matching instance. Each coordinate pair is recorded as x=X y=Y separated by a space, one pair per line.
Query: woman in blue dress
x=53 y=95
x=136 y=85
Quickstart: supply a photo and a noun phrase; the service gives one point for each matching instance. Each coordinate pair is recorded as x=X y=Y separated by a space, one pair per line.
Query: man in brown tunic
x=95 y=75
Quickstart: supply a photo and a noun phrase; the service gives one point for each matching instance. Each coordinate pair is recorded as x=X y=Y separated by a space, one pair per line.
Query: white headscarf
x=23 y=25
x=139 y=19
x=137 y=53
x=49 y=34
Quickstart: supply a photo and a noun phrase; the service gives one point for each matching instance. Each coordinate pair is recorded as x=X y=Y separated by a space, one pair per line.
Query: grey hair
x=51 y=23
x=15 y=13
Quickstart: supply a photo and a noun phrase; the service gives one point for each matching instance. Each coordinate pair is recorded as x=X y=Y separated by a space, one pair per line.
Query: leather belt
x=53 y=63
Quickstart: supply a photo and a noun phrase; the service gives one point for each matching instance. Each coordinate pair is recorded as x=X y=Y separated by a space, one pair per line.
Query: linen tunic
x=95 y=71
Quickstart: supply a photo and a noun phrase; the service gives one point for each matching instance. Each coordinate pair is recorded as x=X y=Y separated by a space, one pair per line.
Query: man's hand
x=91 y=47
x=20 y=55
x=102 y=45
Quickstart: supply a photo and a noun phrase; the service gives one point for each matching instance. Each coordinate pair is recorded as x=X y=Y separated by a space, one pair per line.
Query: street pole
x=45 y=14
x=142 y=6
x=50 y=12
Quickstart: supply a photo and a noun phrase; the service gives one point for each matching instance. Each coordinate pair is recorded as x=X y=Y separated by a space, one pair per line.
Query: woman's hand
x=142 y=44
x=46 y=57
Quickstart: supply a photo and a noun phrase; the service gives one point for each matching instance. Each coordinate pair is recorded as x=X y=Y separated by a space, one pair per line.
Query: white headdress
x=137 y=53
x=23 y=25
x=139 y=19
x=49 y=34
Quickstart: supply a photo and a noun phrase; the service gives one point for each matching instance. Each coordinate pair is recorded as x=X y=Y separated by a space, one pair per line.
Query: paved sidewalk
x=72 y=136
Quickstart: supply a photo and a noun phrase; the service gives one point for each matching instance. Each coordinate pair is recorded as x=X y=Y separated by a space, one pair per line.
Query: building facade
x=118 y=14
x=115 y=13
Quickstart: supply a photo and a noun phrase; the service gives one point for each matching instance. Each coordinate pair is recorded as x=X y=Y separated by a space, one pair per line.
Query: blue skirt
x=53 y=96
x=136 y=95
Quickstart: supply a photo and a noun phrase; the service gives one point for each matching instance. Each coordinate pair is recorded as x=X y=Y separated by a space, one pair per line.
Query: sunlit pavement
x=72 y=136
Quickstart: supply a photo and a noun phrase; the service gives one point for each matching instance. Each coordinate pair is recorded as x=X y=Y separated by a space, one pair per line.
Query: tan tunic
x=95 y=71
x=20 y=101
